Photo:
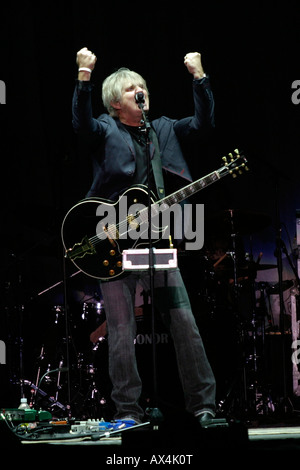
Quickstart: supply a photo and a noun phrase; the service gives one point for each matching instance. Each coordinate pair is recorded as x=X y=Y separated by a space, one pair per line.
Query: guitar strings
x=168 y=201
x=123 y=225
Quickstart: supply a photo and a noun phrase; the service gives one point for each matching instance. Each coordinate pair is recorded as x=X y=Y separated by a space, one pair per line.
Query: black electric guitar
x=96 y=231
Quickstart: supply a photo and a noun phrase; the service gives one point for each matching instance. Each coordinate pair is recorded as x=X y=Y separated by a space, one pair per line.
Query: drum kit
x=238 y=323
x=71 y=372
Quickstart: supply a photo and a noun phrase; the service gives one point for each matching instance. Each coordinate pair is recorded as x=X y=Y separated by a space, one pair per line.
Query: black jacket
x=113 y=150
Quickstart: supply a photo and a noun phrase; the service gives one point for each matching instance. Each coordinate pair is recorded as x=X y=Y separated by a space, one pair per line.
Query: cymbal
x=263 y=267
x=245 y=270
x=237 y=221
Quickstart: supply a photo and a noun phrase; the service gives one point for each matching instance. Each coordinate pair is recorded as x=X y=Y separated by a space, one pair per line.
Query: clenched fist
x=85 y=59
x=192 y=61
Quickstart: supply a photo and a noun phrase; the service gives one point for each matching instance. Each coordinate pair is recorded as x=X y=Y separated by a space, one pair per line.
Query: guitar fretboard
x=178 y=196
x=190 y=189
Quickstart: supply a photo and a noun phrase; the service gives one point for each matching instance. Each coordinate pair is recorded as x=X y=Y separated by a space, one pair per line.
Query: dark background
x=250 y=51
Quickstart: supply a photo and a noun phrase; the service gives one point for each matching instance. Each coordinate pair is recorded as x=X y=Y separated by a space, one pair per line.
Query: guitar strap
x=157 y=167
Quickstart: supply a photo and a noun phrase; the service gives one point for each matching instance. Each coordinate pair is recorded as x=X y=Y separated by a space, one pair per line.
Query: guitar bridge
x=132 y=222
x=79 y=250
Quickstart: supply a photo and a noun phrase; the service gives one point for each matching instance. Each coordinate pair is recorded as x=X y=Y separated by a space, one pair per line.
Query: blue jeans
x=171 y=299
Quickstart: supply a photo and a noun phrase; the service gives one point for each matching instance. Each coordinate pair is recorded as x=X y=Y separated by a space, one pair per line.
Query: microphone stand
x=154 y=413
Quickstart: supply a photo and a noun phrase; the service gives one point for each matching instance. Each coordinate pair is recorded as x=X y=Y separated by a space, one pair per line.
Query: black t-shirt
x=139 y=138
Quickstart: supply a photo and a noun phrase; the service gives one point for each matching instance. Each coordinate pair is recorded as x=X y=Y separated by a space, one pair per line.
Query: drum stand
x=94 y=401
x=245 y=395
x=261 y=403
x=237 y=390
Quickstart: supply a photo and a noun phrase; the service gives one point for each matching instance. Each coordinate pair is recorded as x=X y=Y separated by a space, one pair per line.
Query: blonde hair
x=114 y=84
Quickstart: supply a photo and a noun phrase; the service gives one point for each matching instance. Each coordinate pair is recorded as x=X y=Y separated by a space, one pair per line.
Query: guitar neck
x=236 y=163
x=191 y=189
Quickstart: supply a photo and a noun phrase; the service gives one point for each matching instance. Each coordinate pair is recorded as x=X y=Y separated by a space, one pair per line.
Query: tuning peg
x=236 y=151
x=225 y=160
x=231 y=157
x=245 y=167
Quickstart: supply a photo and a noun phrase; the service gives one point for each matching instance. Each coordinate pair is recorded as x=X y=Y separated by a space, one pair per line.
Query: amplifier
x=295 y=317
x=295 y=341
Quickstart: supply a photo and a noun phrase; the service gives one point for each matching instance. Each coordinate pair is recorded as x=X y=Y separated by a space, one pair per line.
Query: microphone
x=140 y=97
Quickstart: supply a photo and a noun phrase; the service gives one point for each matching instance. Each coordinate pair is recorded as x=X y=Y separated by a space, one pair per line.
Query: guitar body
x=95 y=232
x=92 y=249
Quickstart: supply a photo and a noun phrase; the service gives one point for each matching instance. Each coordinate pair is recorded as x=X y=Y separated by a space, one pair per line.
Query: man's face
x=127 y=106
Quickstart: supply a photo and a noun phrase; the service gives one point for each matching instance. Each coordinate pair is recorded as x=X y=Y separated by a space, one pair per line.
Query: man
x=119 y=161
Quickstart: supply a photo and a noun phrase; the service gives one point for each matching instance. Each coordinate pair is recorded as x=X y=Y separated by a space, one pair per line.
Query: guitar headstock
x=235 y=163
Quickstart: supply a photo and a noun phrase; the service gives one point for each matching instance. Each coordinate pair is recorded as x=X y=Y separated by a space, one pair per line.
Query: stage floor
x=184 y=444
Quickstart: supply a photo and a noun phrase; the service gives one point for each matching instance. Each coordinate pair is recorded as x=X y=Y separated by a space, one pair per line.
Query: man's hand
x=193 y=63
x=85 y=59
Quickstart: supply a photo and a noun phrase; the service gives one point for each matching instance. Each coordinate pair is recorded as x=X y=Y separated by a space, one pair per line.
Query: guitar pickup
x=112 y=234
x=79 y=250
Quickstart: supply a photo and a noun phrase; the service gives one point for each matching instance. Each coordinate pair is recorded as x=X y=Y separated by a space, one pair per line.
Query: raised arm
x=203 y=118
x=82 y=106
